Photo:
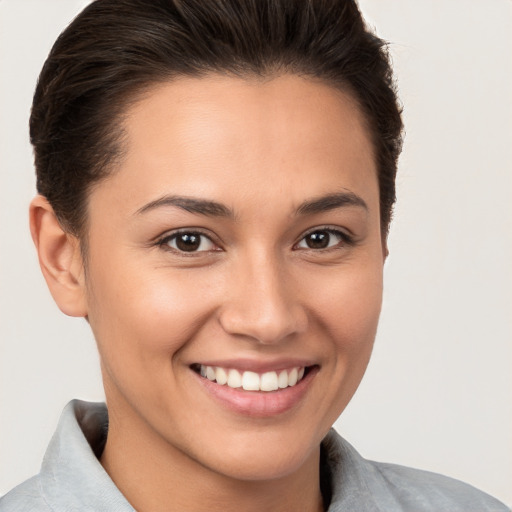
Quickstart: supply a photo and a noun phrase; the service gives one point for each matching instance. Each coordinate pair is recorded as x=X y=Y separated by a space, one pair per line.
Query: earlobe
x=59 y=257
x=385 y=248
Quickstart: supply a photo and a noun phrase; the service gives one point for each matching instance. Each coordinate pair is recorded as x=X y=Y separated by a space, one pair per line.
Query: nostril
x=268 y=325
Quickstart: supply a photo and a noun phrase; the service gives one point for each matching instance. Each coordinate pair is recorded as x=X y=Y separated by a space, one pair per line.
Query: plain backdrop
x=438 y=392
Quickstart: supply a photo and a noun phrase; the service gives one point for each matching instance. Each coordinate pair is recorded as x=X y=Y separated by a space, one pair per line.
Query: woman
x=216 y=183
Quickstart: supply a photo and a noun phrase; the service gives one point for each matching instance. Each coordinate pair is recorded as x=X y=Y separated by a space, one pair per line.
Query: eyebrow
x=190 y=204
x=331 y=202
x=215 y=209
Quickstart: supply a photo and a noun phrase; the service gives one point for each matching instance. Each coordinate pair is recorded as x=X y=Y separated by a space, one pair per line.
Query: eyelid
x=163 y=240
x=347 y=237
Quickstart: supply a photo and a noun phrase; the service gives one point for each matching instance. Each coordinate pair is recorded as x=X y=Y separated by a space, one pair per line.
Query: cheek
x=360 y=307
x=348 y=306
x=142 y=313
x=141 y=325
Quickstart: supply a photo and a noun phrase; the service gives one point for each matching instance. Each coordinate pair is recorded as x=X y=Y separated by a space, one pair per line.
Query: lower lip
x=259 y=404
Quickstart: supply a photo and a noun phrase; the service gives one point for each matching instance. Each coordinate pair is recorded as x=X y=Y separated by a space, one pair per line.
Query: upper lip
x=258 y=365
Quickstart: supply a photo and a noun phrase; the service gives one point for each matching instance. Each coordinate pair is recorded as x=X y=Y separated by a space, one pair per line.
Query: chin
x=259 y=465
x=267 y=454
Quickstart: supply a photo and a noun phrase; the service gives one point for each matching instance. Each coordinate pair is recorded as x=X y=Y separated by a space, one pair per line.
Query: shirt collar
x=72 y=476
x=356 y=484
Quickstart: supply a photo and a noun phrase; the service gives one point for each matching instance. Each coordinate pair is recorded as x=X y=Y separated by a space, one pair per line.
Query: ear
x=385 y=247
x=59 y=257
x=385 y=250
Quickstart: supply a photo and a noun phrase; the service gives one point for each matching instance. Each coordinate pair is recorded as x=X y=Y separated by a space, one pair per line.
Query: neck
x=152 y=475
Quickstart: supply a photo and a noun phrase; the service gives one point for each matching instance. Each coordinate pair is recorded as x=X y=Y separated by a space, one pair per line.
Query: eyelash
x=167 y=239
x=344 y=239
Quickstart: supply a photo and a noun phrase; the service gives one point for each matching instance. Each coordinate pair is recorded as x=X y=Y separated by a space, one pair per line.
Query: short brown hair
x=114 y=49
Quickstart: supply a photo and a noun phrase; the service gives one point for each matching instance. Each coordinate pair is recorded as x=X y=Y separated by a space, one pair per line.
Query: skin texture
x=254 y=294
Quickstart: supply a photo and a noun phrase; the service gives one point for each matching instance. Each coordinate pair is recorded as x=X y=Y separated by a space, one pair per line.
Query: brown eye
x=323 y=239
x=189 y=242
x=318 y=240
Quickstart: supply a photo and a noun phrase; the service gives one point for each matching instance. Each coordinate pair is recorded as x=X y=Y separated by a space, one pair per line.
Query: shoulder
x=422 y=490
x=368 y=486
x=26 y=497
x=71 y=477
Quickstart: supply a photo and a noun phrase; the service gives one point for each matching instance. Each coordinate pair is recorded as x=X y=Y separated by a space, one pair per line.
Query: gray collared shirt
x=72 y=479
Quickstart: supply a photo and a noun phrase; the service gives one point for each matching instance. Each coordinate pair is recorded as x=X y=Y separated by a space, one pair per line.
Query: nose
x=262 y=303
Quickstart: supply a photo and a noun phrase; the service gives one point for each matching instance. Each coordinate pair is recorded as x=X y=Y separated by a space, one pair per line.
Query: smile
x=265 y=393
x=252 y=381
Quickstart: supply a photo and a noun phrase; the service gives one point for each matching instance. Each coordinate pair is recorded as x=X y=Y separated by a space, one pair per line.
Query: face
x=239 y=244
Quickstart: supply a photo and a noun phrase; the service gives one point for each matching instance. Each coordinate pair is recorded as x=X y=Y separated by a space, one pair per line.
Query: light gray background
x=437 y=394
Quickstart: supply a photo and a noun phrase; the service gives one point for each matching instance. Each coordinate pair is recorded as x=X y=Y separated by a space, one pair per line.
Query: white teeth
x=234 y=379
x=292 y=377
x=269 y=381
x=221 y=376
x=282 y=380
x=252 y=381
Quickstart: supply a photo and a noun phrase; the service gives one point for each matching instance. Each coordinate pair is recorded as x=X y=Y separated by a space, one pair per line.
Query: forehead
x=214 y=135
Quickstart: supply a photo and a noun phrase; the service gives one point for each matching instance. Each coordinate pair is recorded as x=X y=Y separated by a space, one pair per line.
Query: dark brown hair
x=115 y=49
